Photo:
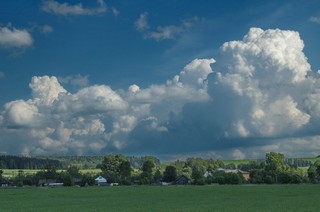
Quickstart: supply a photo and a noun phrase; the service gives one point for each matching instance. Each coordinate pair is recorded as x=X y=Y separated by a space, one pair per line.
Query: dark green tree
x=51 y=172
x=147 y=166
x=146 y=175
x=67 y=180
x=73 y=171
x=125 y=172
x=19 y=178
x=170 y=174
x=110 y=167
x=87 y=180
x=231 y=178
x=155 y=160
x=197 y=175
x=314 y=171
x=157 y=177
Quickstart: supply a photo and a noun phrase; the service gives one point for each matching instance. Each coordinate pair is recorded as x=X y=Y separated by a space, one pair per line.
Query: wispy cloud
x=66 y=9
x=163 y=32
x=46 y=29
x=166 y=32
x=141 y=24
x=43 y=29
x=11 y=37
x=115 y=11
x=2 y=74
x=315 y=19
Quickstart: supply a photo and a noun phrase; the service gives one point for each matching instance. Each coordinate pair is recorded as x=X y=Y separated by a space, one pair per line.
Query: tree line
x=63 y=162
x=274 y=169
x=20 y=162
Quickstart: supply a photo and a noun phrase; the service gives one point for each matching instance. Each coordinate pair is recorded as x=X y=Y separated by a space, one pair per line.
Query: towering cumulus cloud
x=261 y=96
x=264 y=80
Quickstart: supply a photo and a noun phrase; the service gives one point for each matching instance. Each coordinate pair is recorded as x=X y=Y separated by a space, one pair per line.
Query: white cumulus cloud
x=265 y=82
x=11 y=37
x=259 y=95
x=20 y=113
x=45 y=89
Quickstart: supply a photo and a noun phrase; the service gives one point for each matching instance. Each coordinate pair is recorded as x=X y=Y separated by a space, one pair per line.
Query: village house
x=182 y=180
x=6 y=184
x=101 y=181
x=207 y=174
x=50 y=182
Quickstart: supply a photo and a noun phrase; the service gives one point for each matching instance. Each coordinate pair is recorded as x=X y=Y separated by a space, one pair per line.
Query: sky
x=174 y=79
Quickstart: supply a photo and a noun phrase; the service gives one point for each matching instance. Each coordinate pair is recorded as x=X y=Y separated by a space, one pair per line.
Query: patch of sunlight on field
x=10 y=173
x=90 y=171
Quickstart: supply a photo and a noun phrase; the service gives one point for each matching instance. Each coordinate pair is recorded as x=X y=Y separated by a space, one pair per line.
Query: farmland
x=170 y=198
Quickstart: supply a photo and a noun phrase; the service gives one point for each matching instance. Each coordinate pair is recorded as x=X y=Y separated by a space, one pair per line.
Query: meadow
x=163 y=198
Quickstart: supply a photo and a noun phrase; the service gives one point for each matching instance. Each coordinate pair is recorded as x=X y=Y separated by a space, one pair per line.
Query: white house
x=101 y=181
x=207 y=174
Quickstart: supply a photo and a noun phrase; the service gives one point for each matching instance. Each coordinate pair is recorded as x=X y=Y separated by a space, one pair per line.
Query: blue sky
x=117 y=44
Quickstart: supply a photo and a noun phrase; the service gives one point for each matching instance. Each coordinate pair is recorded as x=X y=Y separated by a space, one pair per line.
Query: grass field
x=171 y=198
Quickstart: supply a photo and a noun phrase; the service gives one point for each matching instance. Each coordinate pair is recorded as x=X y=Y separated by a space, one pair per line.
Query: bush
x=67 y=180
x=200 y=181
x=88 y=179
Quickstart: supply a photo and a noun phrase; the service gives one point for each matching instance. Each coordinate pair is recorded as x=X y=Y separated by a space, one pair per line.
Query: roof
x=101 y=179
x=183 y=179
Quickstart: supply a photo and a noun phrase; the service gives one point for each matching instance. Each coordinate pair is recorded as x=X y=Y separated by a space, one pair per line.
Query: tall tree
x=275 y=162
x=51 y=172
x=146 y=175
x=110 y=167
x=74 y=171
x=197 y=175
x=170 y=174
x=125 y=172
x=157 y=176
x=275 y=165
x=147 y=166
x=1 y=172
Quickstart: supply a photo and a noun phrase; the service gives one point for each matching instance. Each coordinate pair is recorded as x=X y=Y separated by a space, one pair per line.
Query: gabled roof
x=182 y=179
x=101 y=179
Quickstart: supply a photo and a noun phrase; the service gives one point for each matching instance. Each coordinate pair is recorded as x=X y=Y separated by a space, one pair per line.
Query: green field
x=171 y=198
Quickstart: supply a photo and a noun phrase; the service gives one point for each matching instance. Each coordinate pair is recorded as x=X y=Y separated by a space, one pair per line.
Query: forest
x=20 y=162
